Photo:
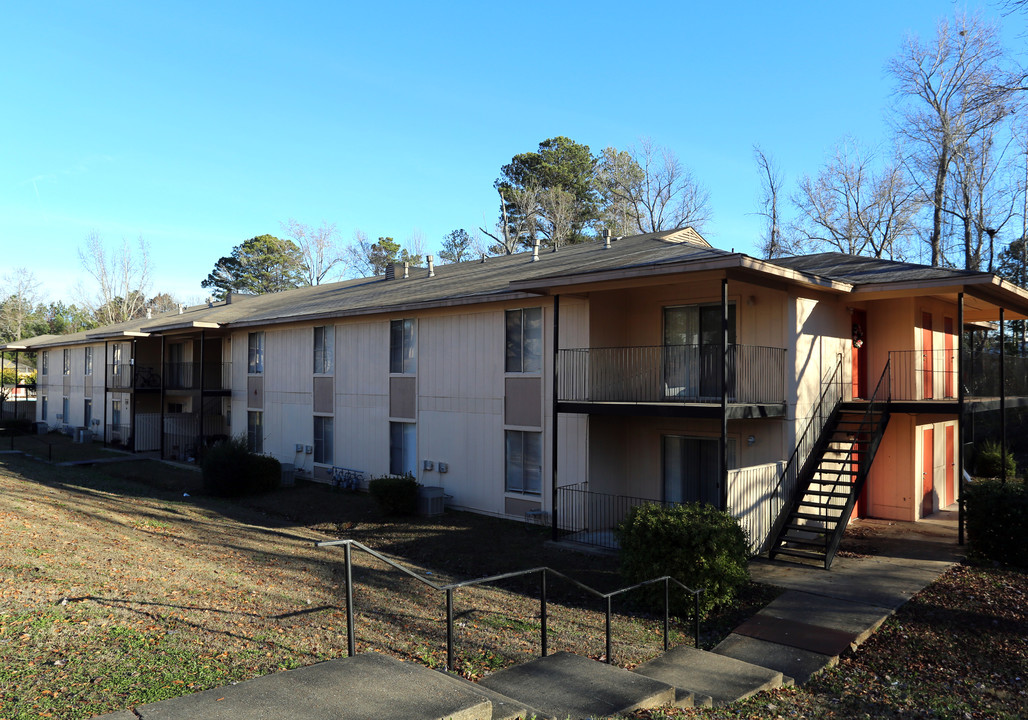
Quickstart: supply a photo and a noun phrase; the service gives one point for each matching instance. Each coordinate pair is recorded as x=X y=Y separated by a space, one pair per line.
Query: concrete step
x=504 y=708
x=369 y=686
x=564 y=685
x=722 y=679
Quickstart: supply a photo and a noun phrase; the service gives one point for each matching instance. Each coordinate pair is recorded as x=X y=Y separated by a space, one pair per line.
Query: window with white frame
x=403 y=448
x=255 y=353
x=524 y=334
x=323 y=440
x=324 y=349
x=66 y=362
x=116 y=358
x=255 y=431
x=403 y=337
x=524 y=462
x=45 y=370
x=88 y=362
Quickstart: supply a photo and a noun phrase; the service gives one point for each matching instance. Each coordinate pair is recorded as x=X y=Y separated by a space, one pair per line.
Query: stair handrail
x=820 y=413
x=542 y=570
x=882 y=395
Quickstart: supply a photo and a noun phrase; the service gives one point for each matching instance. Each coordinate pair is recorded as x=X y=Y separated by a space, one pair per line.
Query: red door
x=926 y=356
x=951 y=468
x=950 y=365
x=927 y=481
x=859 y=354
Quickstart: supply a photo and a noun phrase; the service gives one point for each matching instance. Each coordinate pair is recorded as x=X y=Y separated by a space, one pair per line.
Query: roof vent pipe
x=606 y=238
x=431 y=266
x=535 y=251
x=149 y=313
x=181 y=309
x=483 y=257
x=406 y=269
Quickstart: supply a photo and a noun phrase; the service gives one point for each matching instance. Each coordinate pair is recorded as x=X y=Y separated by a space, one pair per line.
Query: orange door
x=927 y=481
x=926 y=356
x=859 y=371
x=951 y=468
x=950 y=365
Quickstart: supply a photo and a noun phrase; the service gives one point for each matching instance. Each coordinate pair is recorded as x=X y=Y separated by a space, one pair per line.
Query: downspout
x=164 y=372
x=960 y=419
x=553 y=418
x=132 y=395
x=107 y=389
x=17 y=356
x=724 y=393
x=1003 y=395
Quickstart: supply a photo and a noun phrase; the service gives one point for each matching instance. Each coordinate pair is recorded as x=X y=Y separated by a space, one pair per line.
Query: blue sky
x=199 y=125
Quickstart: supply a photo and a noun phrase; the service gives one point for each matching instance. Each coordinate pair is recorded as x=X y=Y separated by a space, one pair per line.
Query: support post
x=544 y=639
x=667 y=610
x=553 y=418
x=610 y=660
x=449 y=629
x=200 y=443
x=1003 y=395
x=724 y=395
x=350 y=634
x=132 y=396
x=163 y=376
x=960 y=419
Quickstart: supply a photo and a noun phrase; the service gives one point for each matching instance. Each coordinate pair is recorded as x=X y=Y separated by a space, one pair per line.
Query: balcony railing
x=186 y=375
x=932 y=375
x=671 y=373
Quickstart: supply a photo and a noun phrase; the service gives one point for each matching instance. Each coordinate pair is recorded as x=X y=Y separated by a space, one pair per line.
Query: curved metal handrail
x=543 y=571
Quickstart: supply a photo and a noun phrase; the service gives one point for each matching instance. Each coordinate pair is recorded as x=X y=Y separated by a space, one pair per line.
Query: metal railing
x=923 y=374
x=823 y=412
x=592 y=516
x=671 y=373
x=118 y=435
x=748 y=490
x=982 y=375
x=543 y=572
x=186 y=375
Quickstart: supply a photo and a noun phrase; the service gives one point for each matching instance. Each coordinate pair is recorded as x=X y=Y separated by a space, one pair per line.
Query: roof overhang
x=984 y=295
x=188 y=325
x=110 y=335
x=13 y=346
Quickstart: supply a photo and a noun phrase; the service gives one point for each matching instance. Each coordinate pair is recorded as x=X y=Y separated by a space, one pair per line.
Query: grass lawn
x=54 y=447
x=116 y=590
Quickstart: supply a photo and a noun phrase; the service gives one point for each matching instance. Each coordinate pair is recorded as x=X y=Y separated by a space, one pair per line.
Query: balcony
x=666 y=377
x=187 y=375
x=919 y=376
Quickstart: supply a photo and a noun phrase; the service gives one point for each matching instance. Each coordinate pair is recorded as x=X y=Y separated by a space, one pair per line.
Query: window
x=64 y=411
x=692 y=351
x=174 y=408
x=43 y=410
x=87 y=412
x=46 y=362
x=524 y=340
x=324 y=349
x=692 y=469
x=255 y=430
x=402 y=341
x=88 y=364
x=255 y=353
x=66 y=368
x=524 y=455
x=116 y=359
x=403 y=447
x=115 y=412
x=323 y=440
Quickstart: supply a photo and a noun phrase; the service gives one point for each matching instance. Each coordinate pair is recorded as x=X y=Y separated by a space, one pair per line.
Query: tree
x=519 y=227
x=851 y=208
x=559 y=163
x=21 y=293
x=122 y=277
x=56 y=318
x=320 y=253
x=262 y=264
x=771 y=245
x=653 y=188
x=559 y=210
x=457 y=246
x=617 y=168
x=949 y=91
x=368 y=258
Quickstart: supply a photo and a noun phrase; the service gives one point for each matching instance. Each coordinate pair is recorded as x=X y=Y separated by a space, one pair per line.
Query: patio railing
x=671 y=373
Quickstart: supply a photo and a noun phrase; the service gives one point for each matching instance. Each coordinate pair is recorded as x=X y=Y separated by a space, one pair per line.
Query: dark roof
x=860 y=270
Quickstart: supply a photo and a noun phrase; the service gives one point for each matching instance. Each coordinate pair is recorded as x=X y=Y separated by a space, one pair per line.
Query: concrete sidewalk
x=821 y=615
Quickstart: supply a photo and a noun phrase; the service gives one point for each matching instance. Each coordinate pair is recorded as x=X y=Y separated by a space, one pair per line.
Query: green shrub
x=697 y=545
x=231 y=470
x=395 y=494
x=989 y=460
x=996 y=514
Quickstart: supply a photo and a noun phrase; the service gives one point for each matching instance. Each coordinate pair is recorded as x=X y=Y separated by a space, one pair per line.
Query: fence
x=755 y=499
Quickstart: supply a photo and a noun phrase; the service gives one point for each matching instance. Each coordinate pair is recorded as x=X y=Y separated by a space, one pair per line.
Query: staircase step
x=827 y=493
x=820 y=518
x=722 y=678
x=504 y=708
x=812 y=542
x=370 y=686
x=796 y=552
x=564 y=685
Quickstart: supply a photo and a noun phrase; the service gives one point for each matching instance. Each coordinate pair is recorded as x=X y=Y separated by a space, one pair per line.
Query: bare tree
x=358 y=254
x=659 y=192
x=416 y=244
x=851 y=208
x=949 y=90
x=559 y=211
x=19 y=296
x=617 y=169
x=771 y=245
x=122 y=277
x=513 y=233
x=319 y=249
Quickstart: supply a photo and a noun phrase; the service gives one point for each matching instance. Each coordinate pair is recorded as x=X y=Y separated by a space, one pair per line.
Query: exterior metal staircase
x=831 y=476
